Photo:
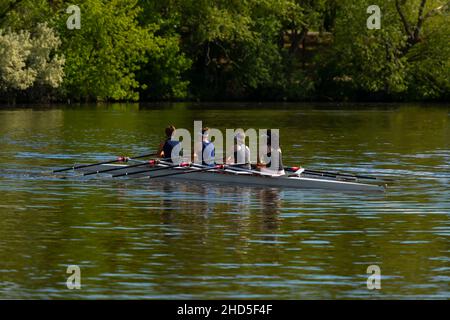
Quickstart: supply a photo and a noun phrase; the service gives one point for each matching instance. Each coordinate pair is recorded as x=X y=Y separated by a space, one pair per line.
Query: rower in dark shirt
x=166 y=147
x=275 y=163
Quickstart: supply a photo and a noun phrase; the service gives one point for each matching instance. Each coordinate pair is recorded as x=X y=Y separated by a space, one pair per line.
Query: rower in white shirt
x=240 y=152
x=274 y=164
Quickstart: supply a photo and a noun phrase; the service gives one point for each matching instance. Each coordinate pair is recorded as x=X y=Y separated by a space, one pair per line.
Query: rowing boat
x=232 y=176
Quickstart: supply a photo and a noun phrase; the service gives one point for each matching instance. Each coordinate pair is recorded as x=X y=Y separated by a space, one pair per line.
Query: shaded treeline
x=224 y=50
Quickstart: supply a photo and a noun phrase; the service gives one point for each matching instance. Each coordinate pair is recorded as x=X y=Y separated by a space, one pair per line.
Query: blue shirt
x=209 y=154
x=168 y=147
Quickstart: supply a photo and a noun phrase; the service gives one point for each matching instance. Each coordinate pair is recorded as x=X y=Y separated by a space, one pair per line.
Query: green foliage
x=229 y=49
x=234 y=46
x=428 y=69
x=24 y=14
x=103 y=56
x=163 y=76
x=397 y=61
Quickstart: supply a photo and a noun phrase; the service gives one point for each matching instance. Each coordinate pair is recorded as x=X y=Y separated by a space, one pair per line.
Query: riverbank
x=207 y=105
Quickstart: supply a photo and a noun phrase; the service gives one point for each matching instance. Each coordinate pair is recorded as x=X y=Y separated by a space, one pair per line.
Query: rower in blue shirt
x=208 y=149
x=166 y=147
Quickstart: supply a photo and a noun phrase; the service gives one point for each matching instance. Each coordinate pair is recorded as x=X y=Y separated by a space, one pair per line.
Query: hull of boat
x=241 y=178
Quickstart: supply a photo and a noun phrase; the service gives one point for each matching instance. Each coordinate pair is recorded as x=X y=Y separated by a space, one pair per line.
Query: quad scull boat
x=230 y=175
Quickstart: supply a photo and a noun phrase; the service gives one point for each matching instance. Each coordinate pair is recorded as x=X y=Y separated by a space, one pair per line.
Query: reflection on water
x=166 y=239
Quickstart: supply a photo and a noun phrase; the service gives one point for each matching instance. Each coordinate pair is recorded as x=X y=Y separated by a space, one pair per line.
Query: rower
x=275 y=164
x=241 y=152
x=208 y=149
x=166 y=147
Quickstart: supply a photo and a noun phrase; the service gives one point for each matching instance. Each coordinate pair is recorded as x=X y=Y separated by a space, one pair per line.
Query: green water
x=164 y=239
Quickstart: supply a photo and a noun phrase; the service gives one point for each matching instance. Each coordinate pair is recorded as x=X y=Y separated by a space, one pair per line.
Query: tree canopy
x=225 y=50
x=29 y=60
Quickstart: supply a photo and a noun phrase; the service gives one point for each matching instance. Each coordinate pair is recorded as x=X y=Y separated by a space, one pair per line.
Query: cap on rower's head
x=205 y=131
x=240 y=136
x=169 y=130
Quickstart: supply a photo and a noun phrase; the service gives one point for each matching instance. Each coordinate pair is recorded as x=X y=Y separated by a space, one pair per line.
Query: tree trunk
x=297 y=38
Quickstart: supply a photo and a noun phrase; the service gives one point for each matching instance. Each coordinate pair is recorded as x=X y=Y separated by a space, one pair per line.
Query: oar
x=118 y=159
x=150 y=162
x=220 y=166
x=330 y=175
x=338 y=177
x=336 y=174
x=148 y=170
x=225 y=165
x=235 y=167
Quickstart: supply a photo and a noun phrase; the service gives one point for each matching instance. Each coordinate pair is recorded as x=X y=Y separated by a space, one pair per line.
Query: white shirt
x=242 y=153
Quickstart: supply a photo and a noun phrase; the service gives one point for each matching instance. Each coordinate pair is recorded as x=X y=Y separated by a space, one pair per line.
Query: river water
x=133 y=238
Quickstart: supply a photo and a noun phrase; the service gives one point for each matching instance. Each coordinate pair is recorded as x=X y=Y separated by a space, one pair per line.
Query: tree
x=408 y=52
x=426 y=27
x=413 y=30
x=103 y=56
x=29 y=60
x=233 y=45
x=163 y=76
x=232 y=49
